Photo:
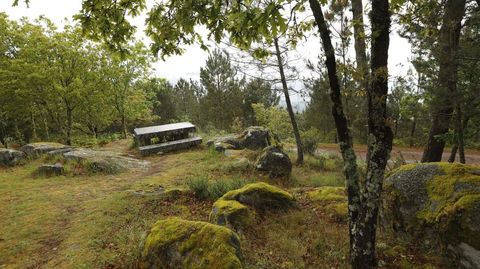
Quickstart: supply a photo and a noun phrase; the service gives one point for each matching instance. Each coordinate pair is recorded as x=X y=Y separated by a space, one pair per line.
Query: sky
x=188 y=65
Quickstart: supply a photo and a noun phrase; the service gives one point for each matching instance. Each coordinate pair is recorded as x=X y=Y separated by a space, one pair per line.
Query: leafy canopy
x=172 y=25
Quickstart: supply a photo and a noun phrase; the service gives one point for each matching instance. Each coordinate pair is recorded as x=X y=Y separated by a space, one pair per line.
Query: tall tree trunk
x=296 y=132
x=343 y=132
x=412 y=131
x=363 y=205
x=453 y=153
x=359 y=44
x=69 y=126
x=124 y=127
x=34 y=127
x=45 y=124
x=447 y=80
x=464 y=127
x=380 y=136
x=461 y=148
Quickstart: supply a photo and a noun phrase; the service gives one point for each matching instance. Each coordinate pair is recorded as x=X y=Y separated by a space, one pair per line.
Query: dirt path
x=409 y=154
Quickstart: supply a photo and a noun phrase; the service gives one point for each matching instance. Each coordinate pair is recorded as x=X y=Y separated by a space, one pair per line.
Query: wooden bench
x=165 y=138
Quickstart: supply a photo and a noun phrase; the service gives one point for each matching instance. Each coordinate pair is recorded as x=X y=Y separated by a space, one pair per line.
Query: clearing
x=100 y=220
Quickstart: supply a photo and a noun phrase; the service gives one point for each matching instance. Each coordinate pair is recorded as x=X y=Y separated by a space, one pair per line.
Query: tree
x=449 y=37
x=223 y=91
x=172 y=24
x=161 y=95
x=257 y=91
x=130 y=102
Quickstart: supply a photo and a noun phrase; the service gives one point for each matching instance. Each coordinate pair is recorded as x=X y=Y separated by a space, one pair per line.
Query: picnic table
x=165 y=138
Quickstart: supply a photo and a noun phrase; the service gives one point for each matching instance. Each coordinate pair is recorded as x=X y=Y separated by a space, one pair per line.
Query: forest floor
x=100 y=221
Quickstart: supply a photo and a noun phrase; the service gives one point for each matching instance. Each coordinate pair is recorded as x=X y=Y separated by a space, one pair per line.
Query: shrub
x=276 y=119
x=310 y=139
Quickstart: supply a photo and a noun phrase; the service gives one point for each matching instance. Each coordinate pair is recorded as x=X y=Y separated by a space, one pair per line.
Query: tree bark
x=124 y=127
x=363 y=205
x=343 y=132
x=45 y=124
x=34 y=127
x=296 y=132
x=69 y=126
x=447 y=80
x=412 y=131
x=359 y=42
x=453 y=153
x=461 y=148
x=380 y=137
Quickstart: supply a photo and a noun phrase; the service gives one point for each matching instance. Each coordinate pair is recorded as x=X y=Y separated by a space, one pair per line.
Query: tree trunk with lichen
x=363 y=203
x=343 y=132
x=293 y=121
x=380 y=137
x=447 y=80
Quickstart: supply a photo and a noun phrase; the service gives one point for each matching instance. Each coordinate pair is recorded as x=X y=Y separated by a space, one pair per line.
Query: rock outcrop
x=438 y=203
x=178 y=243
x=237 y=208
x=40 y=148
x=11 y=157
x=105 y=161
x=254 y=138
x=274 y=161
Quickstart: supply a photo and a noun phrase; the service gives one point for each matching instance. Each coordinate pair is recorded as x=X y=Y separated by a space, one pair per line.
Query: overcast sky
x=188 y=65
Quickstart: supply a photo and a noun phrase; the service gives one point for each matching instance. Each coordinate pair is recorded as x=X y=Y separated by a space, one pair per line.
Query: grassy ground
x=100 y=221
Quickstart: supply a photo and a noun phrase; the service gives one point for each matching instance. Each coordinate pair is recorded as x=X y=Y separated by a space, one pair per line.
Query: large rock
x=254 y=137
x=274 y=161
x=11 y=157
x=440 y=204
x=231 y=213
x=178 y=243
x=237 y=208
x=48 y=170
x=105 y=161
x=40 y=148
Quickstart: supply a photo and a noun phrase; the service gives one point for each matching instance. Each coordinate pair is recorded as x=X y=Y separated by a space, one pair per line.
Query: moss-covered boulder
x=328 y=194
x=438 y=203
x=11 y=157
x=274 y=161
x=231 y=213
x=262 y=196
x=237 y=208
x=40 y=148
x=178 y=243
x=333 y=200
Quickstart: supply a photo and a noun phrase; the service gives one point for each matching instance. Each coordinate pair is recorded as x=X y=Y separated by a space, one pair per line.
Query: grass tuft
x=205 y=189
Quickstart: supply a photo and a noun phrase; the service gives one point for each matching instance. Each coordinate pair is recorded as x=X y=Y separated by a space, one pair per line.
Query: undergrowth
x=205 y=189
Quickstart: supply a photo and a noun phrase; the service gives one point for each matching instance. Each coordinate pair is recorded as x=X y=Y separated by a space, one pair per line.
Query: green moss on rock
x=178 y=243
x=328 y=193
x=231 y=213
x=237 y=208
x=440 y=201
x=333 y=200
x=338 y=211
x=261 y=196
